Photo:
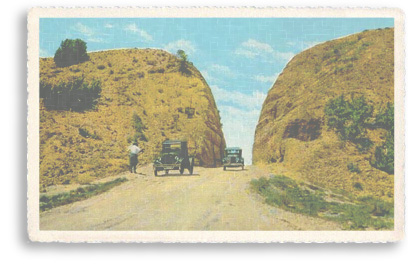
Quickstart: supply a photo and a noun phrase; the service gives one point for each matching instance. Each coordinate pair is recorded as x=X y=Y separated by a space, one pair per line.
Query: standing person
x=133 y=160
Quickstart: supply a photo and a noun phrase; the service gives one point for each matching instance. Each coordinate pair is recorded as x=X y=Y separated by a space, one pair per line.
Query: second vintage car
x=233 y=158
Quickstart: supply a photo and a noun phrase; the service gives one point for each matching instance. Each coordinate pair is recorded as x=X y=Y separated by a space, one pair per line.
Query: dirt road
x=210 y=199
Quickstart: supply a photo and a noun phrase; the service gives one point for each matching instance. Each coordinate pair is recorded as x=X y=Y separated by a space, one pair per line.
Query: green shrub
x=139 y=127
x=358 y=186
x=260 y=185
x=385 y=118
x=384 y=154
x=353 y=168
x=74 y=95
x=71 y=52
x=85 y=133
x=350 y=120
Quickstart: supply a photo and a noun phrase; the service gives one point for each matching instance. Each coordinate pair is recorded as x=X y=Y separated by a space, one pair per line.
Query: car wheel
x=225 y=168
x=181 y=170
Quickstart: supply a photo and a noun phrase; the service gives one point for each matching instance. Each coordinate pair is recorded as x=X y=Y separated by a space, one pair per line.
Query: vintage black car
x=233 y=158
x=174 y=156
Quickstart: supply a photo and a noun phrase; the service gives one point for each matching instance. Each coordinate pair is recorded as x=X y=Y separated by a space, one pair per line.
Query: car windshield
x=233 y=152
x=171 y=148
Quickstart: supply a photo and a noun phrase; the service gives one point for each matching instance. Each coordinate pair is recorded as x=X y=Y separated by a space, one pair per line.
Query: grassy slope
x=133 y=80
x=360 y=64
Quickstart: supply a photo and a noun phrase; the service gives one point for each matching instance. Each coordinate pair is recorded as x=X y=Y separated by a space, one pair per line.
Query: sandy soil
x=210 y=199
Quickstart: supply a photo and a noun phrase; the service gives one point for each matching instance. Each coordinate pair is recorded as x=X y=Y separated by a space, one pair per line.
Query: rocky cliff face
x=82 y=146
x=292 y=131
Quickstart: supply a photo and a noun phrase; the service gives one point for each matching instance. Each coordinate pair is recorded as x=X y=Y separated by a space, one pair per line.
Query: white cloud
x=181 y=44
x=88 y=32
x=253 y=48
x=257 y=46
x=251 y=101
x=246 y=53
x=95 y=40
x=221 y=69
x=285 y=56
x=83 y=29
x=208 y=77
x=108 y=26
x=142 y=33
x=265 y=79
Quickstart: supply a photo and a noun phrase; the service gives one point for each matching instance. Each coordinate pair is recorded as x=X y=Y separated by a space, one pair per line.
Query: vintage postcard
x=215 y=125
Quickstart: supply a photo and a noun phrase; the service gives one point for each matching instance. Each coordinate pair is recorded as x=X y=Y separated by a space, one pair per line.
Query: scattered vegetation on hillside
x=71 y=52
x=145 y=82
x=384 y=154
x=73 y=95
x=139 y=129
x=292 y=133
x=50 y=201
x=350 y=120
x=85 y=133
x=353 y=213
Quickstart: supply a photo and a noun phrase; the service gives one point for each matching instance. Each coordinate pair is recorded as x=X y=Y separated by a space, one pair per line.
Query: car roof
x=173 y=142
x=232 y=148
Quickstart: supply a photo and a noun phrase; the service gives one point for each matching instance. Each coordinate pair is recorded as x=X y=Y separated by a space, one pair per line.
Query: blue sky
x=239 y=57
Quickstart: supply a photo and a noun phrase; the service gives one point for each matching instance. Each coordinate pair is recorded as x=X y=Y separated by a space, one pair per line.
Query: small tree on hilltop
x=184 y=62
x=182 y=55
x=71 y=52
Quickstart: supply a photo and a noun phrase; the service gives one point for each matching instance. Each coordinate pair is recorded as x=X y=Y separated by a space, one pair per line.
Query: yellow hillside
x=360 y=64
x=142 y=81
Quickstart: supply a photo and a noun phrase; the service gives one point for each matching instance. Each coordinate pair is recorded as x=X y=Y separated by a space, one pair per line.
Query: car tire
x=225 y=168
x=181 y=170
